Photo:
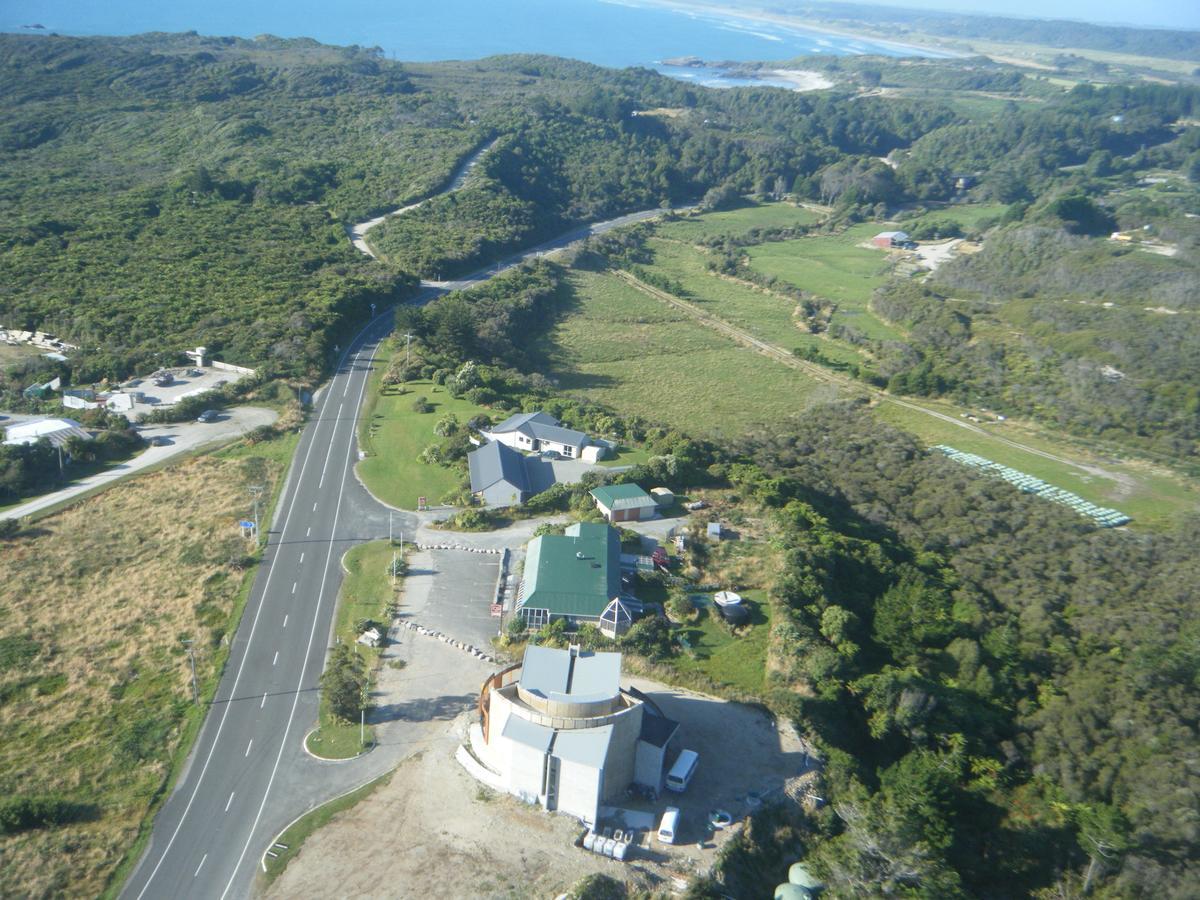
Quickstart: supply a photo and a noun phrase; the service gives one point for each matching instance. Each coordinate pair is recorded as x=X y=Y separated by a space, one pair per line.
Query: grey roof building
x=537 y=431
x=500 y=475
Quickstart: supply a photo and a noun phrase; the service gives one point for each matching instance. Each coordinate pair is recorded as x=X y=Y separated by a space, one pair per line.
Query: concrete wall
x=230 y=367
x=622 y=752
x=526 y=771
x=579 y=789
x=648 y=769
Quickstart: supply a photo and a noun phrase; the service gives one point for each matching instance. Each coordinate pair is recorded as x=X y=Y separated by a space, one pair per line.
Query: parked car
x=209 y=415
x=161 y=440
x=668 y=825
x=193 y=373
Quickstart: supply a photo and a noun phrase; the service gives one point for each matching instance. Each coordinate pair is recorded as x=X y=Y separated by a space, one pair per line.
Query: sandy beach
x=800 y=79
x=796 y=22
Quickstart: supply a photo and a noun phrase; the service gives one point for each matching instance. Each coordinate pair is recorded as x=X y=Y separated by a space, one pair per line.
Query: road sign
x=245 y=524
x=420 y=503
x=496 y=609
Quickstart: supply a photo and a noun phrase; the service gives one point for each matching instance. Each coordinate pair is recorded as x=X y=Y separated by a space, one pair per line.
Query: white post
x=362 y=727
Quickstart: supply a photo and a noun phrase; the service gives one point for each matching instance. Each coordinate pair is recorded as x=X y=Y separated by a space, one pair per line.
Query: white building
x=558 y=730
x=56 y=431
x=538 y=431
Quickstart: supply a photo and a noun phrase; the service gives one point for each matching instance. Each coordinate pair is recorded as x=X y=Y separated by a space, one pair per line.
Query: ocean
x=614 y=33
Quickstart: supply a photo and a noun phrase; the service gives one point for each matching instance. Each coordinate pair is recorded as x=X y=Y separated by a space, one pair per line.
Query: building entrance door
x=551 y=792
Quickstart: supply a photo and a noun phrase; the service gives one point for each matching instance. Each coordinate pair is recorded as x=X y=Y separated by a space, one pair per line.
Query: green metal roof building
x=624 y=502
x=575 y=576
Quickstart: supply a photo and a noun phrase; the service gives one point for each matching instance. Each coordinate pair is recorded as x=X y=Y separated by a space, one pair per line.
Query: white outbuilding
x=56 y=431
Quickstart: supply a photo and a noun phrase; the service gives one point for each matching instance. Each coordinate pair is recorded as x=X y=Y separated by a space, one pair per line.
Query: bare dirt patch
x=435 y=831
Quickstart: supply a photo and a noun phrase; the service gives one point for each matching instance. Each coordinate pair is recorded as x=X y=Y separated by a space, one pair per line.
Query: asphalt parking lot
x=451 y=591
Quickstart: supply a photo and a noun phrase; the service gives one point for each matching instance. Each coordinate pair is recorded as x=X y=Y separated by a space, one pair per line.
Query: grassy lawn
x=95 y=689
x=739 y=221
x=366 y=593
x=626 y=456
x=737 y=661
x=833 y=267
x=1153 y=497
x=299 y=831
x=641 y=356
x=393 y=436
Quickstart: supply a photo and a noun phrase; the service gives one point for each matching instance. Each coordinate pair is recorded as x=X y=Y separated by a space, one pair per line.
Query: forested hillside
x=170 y=190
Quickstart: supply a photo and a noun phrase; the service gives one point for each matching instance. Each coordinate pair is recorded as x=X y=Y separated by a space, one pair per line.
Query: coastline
x=801 y=79
x=795 y=22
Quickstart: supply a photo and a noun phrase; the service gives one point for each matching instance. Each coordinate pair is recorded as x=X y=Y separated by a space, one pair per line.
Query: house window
x=535 y=618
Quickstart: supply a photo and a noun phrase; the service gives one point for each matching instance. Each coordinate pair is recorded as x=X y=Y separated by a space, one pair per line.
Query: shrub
x=515 y=629
x=260 y=434
x=422 y=405
x=471 y=520
x=24 y=813
x=597 y=887
x=680 y=606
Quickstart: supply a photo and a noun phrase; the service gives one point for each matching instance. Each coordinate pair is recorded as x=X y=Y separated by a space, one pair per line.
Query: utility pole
x=192 y=659
x=392 y=544
x=407 y=351
x=256 y=492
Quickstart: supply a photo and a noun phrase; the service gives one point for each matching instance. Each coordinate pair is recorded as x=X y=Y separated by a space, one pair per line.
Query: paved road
x=183 y=437
x=209 y=835
x=358 y=233
x=248 y=774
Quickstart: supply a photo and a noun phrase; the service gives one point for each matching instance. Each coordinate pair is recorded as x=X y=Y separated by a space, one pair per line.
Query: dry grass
x=107 y=589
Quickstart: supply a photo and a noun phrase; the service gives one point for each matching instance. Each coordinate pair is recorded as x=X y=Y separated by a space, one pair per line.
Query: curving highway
x=248 y=775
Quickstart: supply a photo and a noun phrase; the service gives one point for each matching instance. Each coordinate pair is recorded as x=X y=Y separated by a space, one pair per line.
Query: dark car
x=209 y=415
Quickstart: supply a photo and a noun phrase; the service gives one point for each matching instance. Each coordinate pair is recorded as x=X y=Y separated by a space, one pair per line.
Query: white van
x=666 y=828
x=681 y=773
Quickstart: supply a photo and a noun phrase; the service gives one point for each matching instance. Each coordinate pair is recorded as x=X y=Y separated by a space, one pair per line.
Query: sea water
x=615 y=33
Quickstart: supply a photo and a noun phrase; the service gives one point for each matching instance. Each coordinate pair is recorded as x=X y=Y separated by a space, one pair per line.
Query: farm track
x=823 y=375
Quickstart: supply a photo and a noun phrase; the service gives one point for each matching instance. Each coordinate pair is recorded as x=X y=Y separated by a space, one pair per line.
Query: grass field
x=640 y=356
x=765 y=315
x=366 y=593
x=739 y=661
x=738 y=221
x=95 y=697
x=969 y=215
x=833 y=267
x=393 y=435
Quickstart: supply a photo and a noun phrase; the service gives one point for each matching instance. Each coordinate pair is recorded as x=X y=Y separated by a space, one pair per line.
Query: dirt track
x=819 y=373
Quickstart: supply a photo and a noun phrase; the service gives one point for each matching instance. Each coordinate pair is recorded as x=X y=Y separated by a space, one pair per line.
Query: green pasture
x=738 y=221
x=627 y=350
